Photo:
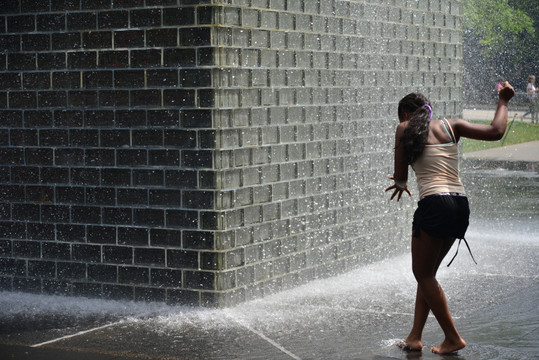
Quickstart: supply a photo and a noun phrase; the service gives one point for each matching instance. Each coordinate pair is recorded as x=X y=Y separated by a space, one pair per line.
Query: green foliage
x=497 y=23
x=528 y=44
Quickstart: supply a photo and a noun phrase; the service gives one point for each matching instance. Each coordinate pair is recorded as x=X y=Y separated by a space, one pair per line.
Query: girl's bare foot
x=407 y=345
x=447 y=347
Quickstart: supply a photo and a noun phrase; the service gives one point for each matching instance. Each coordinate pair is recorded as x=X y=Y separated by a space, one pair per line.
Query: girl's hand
x=507 y=92
x=398 y=190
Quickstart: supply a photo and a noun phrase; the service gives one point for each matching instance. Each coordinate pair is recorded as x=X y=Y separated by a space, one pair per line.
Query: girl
x=430 y=147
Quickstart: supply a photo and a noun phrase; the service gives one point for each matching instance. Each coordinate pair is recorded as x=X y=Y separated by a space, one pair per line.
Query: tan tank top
x=437 y=169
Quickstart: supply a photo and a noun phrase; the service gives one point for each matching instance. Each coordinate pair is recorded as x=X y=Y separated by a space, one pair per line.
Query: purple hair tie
x=430 y=109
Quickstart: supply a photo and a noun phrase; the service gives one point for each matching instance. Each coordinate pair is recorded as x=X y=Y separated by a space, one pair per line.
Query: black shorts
x=442 y=216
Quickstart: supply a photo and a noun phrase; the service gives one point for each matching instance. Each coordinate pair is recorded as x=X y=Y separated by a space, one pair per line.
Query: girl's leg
x=427 y=254
x=421 y=312
x=422 y=309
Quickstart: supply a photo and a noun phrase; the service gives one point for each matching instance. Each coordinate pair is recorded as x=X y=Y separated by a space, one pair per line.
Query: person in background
x=532 y=99
x=430 y=147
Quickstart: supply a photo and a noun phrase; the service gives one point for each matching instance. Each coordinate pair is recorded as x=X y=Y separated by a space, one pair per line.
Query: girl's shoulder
x=454 y=121
x=455 y=124
x=402 y=126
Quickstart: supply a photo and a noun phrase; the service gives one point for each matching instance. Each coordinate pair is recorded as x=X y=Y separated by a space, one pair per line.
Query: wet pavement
x=358 y=315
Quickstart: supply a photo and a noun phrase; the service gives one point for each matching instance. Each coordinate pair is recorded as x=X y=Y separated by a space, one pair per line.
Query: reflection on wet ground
x=358 y=315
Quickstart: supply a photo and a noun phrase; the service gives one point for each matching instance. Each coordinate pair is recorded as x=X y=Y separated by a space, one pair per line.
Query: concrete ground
x=356 y=316
x=525 y=152
x=479 y=114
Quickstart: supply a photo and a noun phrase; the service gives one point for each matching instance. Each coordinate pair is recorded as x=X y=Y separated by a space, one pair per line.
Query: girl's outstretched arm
x=400 y=175
x=496 y=129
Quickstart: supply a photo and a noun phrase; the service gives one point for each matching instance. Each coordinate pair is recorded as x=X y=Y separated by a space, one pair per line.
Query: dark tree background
x=501 y=42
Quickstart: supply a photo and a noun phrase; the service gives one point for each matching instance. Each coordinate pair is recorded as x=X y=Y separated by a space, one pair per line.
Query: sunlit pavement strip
x=264 y=337
x=77 y=334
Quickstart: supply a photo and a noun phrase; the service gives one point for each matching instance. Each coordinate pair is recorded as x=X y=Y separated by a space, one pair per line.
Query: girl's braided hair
x=416 y=133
